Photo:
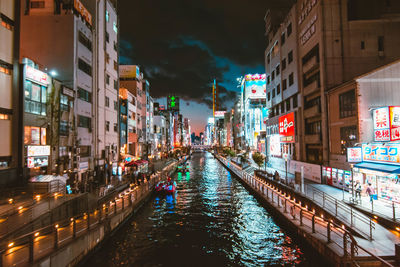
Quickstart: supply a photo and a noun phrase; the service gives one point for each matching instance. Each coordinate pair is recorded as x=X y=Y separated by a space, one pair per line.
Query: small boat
x=170 y=187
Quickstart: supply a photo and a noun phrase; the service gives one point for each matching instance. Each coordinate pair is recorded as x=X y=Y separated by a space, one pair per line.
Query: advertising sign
x=286 y=128
x=394 y=123
x=255 y=86
x=33 y=162
x=381 y=118
x=34 y=151
x=83 y=11
x=275 y=145
x=354 y=154
x=388 y=153
x=36 y=75
x=129 y=71
x=220 y=114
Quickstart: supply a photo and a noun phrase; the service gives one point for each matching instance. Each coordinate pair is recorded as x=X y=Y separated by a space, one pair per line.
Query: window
x=288 y=105
x=362 y=45
x=37 y=4
x=115 y=105
x=348 y=138
x=107 y=126
x=107 y=57
x=278 y=89
x=272 y=75
x=313 y=127
x=290 y=57
x=107 y=16
x=6 y=22
x=277 y=70
x=284 y=64
x=268 y=58
x=84 y=95
x=269 y=96
x=380 y=43
x=314 y=154
x=115 y=46
x=85 y=41
x=282 y=38
x=282 y=107
x=273 y=93
x=295 y=101
x=107 y=37
x=115 y=65
x=276 y=110
x=64 y=129
x=268 y=79
x=107 y=79
x=107 y=102
x=34 y=135
x=312 y=102
x=5 y=116
x=85 y=67
x=284 y=84
x=289 y=29
x=35 y=98
x=347 y=104
x=115 y=27
x=64 y=103
x=291 y=80
x=5 y=67
x=115 y=84
x=85 y=151
x=115 y=127
x=84 y=122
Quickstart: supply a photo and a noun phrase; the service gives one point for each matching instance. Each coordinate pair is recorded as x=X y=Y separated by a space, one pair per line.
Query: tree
x=258 y=159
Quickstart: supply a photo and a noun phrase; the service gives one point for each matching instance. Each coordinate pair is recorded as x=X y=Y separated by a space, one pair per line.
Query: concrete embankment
x=69 y=242
x=332 y=241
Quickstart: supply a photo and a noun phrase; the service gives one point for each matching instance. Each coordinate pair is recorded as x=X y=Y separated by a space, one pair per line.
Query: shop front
x=37 y=159
x=337 y=177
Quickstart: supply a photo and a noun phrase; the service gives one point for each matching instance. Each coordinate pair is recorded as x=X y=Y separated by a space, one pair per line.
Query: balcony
x=312 y=138
x=310 y=65
x=313 y=111
x=312 y=87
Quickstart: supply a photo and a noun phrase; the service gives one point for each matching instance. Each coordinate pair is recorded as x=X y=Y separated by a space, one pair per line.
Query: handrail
x=252 y=180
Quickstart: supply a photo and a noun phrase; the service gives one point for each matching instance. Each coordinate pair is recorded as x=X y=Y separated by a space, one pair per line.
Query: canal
x=212 y=220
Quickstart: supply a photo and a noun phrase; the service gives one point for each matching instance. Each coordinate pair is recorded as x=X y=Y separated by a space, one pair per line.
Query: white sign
x=354 y=154
x=34 y=151
x=275 y=145
x=67 y=91
x=36 y=75
x=83 y=165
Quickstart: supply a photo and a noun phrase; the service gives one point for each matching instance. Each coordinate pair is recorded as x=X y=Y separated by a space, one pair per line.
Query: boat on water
x=166 y=187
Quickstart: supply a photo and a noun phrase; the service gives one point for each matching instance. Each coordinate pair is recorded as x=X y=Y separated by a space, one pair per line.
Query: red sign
x=394 y=123
x=286 y=128
x=381 y=118
x=382 y=135
x=36 y=75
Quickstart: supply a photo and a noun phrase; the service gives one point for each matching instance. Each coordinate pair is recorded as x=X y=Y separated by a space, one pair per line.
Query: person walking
x=371 y=192
x=358 y=190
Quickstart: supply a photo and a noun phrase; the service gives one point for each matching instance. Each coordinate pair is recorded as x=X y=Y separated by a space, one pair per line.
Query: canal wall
x=331 y=241
x=71 y=242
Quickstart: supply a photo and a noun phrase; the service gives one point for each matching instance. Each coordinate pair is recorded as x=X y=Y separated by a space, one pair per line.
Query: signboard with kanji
x=354 y=154
x=286 y=128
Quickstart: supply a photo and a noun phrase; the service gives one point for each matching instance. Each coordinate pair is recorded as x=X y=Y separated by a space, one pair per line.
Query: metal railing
x=293 y=209
x=345 y=213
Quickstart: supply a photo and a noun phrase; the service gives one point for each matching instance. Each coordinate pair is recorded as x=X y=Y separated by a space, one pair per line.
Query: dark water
x=211 y=221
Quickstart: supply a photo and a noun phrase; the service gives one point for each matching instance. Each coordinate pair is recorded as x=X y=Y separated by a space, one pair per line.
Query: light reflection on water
x=211 y=220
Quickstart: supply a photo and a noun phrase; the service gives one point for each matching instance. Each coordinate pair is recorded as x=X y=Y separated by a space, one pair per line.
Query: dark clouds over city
x=181 y=45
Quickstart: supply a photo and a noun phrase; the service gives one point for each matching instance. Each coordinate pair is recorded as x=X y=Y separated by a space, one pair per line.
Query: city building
x=364 y=131
x=11 y=143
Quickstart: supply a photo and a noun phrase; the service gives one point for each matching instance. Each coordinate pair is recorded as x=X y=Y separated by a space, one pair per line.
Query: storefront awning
x=379 y=167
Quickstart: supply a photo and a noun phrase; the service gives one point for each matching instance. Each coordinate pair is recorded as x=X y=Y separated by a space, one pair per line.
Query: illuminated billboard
x=354 y=154
x=255 y=86
x=129 y=71
x=386 y=123
x=388 y=153
x=286 y=128
x=275 y=145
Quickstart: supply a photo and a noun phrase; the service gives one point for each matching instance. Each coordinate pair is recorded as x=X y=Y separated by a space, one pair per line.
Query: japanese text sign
x=381 y=118
x=388 y=153
x=394 y=123
x=354 y=154
x=286 y=128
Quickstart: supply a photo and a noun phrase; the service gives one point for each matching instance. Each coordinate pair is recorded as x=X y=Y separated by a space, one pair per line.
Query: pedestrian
x=371 y=192
x=358 y=190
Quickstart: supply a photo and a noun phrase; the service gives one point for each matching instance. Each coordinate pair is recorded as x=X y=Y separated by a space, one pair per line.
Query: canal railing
x=337 y=236
x=28 y=248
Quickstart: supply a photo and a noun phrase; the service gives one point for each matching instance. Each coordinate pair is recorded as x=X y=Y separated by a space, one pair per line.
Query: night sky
x=182 y=45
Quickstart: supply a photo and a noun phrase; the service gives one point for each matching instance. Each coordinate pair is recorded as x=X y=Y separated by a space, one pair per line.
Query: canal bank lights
x=36 y=234
x=10 y=200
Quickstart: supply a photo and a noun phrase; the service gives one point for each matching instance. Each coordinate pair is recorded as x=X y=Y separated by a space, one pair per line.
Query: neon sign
x=354 y=154
x=389 y=153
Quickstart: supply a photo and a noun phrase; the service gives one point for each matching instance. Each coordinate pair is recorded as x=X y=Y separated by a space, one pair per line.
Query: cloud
x=182 y=45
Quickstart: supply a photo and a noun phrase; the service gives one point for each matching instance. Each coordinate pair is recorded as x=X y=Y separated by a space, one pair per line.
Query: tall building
x=11 y=129
x=107 y=83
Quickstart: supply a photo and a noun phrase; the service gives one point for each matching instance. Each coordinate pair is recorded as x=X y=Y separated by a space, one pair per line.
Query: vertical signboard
x=381 y=124
x=394 y=123
x=286 y=128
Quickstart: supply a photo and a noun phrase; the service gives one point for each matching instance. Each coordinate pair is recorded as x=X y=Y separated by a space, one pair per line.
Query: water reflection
x=211 y=220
